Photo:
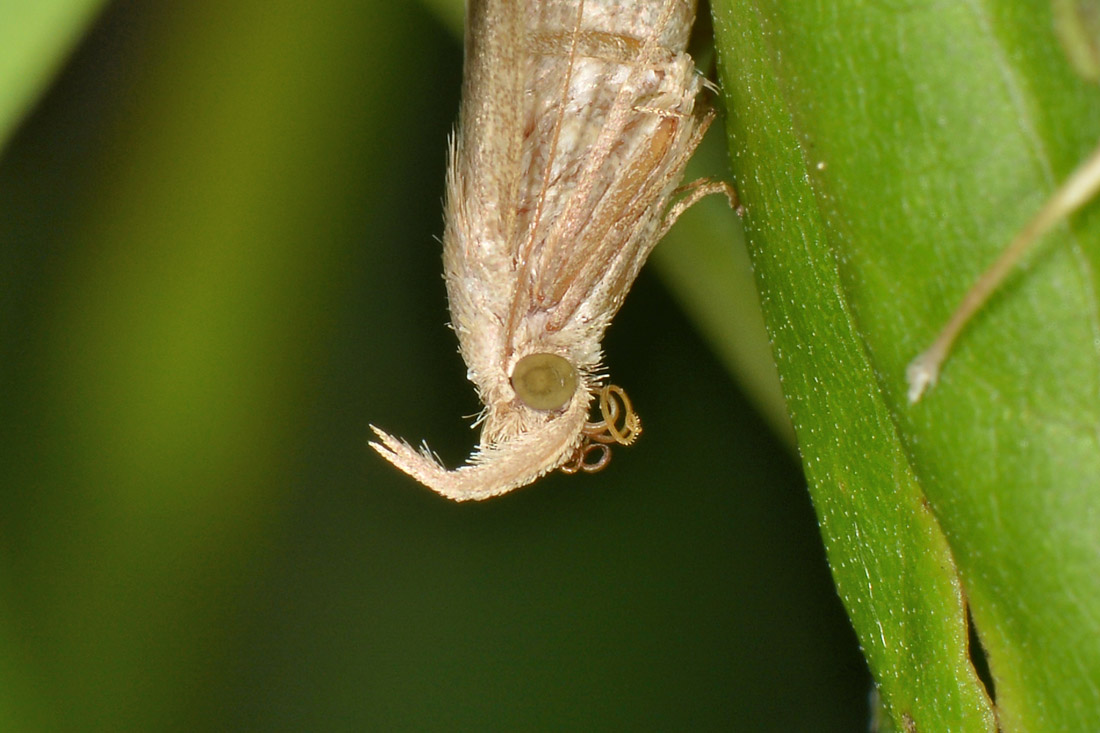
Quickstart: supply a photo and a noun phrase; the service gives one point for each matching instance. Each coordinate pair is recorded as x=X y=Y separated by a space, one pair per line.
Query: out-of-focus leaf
x=165 y=329
x=35 y=37
x=1077 y=24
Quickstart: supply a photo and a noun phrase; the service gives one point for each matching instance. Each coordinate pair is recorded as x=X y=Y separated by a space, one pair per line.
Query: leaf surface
x=885 y=153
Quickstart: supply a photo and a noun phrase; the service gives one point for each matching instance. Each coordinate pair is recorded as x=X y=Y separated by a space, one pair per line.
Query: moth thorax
x=544 y=381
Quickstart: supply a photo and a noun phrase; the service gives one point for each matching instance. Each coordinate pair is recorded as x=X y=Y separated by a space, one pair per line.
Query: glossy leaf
x=885 y=153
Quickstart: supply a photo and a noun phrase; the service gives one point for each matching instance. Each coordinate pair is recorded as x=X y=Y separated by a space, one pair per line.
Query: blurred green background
x=219 y=264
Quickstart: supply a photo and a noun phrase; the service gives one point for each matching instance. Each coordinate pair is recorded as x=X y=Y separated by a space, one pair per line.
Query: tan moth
x=577 y=119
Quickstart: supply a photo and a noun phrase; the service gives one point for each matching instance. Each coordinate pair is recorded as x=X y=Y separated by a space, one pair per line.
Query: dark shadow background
x=219 y=265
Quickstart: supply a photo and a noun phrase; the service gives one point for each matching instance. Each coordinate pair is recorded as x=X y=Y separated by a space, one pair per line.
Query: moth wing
x=482 y=185
x=484 y=177
x=549 y=214
x=621 y=134
x=487 y=148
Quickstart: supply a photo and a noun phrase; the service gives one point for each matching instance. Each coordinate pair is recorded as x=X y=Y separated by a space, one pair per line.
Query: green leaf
x=1077 y=24
x=35 y=37
x=885 y=153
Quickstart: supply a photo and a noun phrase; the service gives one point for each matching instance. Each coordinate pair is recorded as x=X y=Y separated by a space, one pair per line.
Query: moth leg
x=579 y=461
x=1082 y=185
x=695 y=191
x=607 y=430
x=614 y=404
x=611 y=396
x=664 y=113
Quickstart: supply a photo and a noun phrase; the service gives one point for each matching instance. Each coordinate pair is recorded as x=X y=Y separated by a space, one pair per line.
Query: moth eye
x=544 y=381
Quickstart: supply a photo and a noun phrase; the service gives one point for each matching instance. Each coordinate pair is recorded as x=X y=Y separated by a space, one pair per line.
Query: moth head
x=544 y=381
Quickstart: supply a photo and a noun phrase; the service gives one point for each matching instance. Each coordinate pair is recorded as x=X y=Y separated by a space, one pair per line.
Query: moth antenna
x=498 y=468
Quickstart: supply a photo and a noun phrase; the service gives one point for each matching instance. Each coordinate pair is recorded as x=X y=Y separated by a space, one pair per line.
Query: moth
x=577 y=120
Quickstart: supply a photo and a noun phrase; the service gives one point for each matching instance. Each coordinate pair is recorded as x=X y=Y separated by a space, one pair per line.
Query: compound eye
x=544 y=381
